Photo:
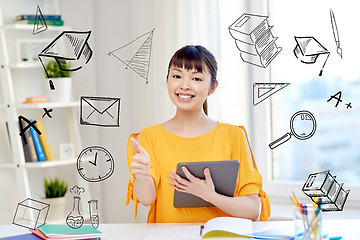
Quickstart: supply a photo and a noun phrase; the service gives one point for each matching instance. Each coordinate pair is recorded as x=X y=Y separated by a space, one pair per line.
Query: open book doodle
x=136 y=54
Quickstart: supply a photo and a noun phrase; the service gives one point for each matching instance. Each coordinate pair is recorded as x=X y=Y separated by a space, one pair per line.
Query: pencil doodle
x=95 y=164
x=308 y=49
x=31 y=213
x=302 y=126
x=72 y=53
x=138 y=61
x=325 y=191
x=75 y=220
x=40 y=23
x=254 y=39
x=337 y=97
x=94 y=213
x=262 y=91
x=100 y=111
x=47 y=113
x=23 y=120
x=336 y=33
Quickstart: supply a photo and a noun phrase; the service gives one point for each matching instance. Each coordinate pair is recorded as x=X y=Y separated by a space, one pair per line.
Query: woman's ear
x=213 y=88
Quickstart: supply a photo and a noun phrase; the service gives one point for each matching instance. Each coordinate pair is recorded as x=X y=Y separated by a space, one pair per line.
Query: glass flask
x=74 y=219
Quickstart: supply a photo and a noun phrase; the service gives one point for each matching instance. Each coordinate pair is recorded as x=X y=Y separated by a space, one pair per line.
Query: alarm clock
x=95 y=164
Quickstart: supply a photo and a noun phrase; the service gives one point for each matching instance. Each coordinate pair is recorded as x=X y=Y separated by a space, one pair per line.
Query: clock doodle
x=95 y=164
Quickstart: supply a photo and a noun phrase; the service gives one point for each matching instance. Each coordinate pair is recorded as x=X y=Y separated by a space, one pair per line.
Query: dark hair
x=195 y=57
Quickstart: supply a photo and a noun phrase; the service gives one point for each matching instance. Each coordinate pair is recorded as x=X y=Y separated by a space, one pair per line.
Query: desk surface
x=138 y=231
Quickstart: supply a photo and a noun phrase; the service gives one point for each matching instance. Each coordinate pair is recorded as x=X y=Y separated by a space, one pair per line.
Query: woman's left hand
x=204 y=189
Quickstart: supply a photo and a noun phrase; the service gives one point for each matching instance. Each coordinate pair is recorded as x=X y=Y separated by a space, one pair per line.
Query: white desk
x=348 y=229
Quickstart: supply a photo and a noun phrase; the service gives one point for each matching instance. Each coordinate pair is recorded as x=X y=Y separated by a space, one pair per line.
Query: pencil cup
x=309 y=224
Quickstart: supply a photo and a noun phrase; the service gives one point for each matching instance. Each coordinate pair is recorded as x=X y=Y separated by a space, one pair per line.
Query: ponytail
x=205 y=107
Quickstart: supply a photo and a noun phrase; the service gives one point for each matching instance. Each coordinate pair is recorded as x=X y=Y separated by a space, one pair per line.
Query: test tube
x=94 y=215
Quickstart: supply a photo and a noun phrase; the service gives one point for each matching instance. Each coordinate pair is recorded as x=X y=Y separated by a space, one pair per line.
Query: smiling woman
x=197 y=68
x=192 y=136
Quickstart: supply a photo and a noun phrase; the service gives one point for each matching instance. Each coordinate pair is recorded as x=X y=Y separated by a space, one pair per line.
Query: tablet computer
x=223 y=173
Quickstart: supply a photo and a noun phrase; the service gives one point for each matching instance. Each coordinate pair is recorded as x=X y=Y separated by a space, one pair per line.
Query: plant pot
x=57 y=208
x=63 y=89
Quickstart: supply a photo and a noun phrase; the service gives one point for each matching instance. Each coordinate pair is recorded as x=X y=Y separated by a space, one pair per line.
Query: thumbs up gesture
x=140 y=164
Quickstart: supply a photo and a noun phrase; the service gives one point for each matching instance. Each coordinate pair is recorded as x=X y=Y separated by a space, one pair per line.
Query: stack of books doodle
x=50 y=20
x=254 y=39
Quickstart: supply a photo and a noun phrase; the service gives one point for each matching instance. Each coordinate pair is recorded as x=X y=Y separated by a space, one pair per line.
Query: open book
x=216 y=228
x=226 y=227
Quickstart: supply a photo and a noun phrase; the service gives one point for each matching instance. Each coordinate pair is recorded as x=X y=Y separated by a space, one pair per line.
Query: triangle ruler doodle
x=136 y=54
x=40 y=23
x=262 y=91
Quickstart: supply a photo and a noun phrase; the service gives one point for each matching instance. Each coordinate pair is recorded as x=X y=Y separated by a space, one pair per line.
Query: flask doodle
x=75 y=220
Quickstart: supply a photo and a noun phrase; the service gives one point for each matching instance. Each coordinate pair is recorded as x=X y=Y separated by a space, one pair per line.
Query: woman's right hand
x=140 y=164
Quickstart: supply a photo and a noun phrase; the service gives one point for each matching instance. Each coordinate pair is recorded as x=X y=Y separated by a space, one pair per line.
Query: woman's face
x=188 y=89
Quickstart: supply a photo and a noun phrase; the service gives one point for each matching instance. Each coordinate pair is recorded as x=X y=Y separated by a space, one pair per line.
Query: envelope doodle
x=100 y=111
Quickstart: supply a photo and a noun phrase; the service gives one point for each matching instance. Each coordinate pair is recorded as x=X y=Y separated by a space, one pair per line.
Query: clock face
x=95 y=164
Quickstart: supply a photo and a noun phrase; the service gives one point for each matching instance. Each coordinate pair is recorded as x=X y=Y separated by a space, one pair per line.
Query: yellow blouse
x=166 y=150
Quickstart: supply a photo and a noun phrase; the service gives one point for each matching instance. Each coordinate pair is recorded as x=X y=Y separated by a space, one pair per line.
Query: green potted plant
x=60 y=79
x=55 y=190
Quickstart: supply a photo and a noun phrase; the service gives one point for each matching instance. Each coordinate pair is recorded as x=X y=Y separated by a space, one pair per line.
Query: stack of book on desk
x=59 y=232
x=54 y=231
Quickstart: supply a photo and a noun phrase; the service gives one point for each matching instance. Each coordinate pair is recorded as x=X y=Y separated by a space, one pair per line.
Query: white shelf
x=48 y=105
x=45 y=164
x=51 y=163
x=25 y=65
x=31 y=26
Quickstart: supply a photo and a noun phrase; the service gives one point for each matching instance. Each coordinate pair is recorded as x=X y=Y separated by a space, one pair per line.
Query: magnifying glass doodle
x=302 y=126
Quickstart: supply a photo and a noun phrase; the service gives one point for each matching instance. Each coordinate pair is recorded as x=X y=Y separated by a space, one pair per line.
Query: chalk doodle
x=302 y=126
x=308 y=49
x=262 y=91
x=337 y=97
x=335 y=33
x=100 y=111
x=136 y=54
x=254 y=39
x=72 y=53
x=325 y=191
x=40 y=23
x=31 y=213
x=95 y=164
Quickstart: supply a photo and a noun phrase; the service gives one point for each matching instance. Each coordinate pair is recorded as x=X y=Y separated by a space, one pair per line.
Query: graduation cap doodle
x=308 y=49
x=70 y=50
